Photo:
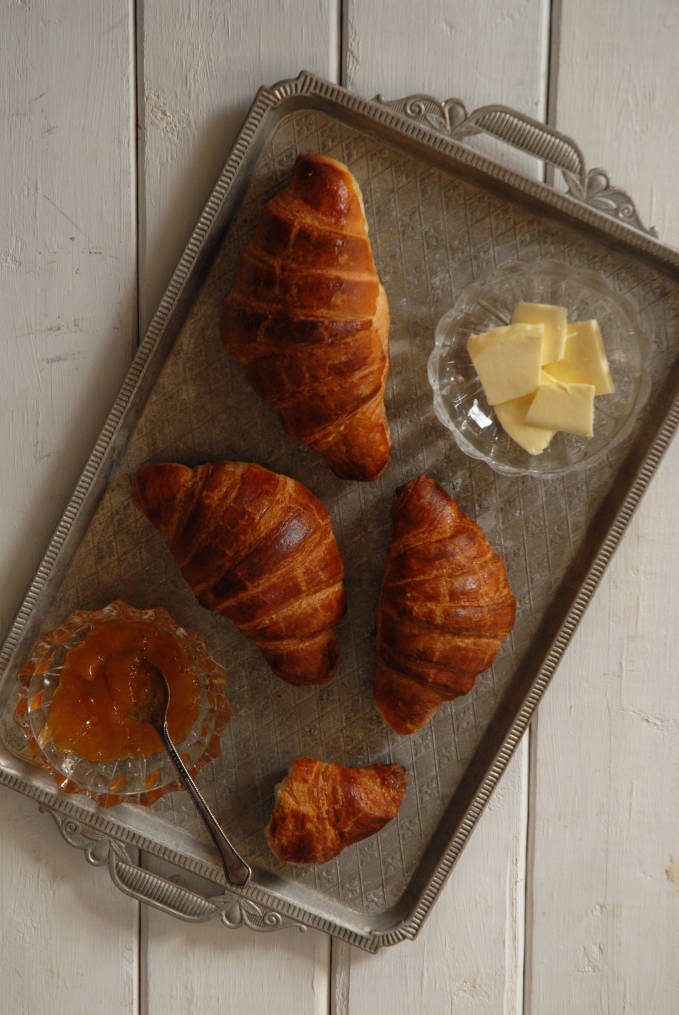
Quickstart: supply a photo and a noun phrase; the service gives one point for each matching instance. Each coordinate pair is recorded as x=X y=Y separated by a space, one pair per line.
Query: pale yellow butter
x=554 y=320
x=584 y=359
x=508 y=360
x=512 y=417
x=559 y=406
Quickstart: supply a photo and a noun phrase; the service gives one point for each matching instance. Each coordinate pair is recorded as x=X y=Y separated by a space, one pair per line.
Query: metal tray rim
x=321 y=93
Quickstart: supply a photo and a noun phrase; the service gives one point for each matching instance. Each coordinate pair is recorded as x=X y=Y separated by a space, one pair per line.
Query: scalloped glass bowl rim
x=474 y=293
x=156 y=773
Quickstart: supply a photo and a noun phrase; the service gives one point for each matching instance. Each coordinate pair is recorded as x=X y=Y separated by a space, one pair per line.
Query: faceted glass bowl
x=460 y=403
x=132 y=780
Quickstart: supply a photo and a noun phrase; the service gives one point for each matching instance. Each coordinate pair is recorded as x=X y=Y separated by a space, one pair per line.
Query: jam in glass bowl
x=77 y=697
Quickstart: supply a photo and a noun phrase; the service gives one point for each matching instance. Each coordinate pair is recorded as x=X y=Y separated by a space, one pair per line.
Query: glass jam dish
x=134 y=775
x=459 y=400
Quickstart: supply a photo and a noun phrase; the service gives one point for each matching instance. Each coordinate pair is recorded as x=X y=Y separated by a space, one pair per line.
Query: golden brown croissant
x=444 y=608
x=308 y=318
x=321 y=808
x=257 y=548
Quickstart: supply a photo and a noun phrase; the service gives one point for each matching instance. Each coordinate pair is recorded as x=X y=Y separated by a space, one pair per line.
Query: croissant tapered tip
x=256 y=547
x=445 y=607
x=403 y=704
x=312 y=660
x=329 y=188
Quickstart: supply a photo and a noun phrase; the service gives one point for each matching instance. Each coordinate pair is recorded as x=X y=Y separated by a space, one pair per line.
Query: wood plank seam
x=549 y=98
x=342 y=17
x=340 y=952
x=137 y=59
x=136 y=68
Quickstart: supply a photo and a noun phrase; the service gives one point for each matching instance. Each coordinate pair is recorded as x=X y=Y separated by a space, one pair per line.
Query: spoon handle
x=237 y=871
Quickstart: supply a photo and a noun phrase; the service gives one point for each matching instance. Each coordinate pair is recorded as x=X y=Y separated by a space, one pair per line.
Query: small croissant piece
x=321 y=808
x=308 y=319
x=444 y=608
x=258 y=548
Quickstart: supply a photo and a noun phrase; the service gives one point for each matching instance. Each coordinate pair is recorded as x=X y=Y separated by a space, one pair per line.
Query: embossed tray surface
x=441 y=215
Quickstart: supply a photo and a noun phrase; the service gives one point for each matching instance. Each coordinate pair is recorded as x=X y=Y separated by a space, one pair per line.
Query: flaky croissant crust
x=308 y=318
x=445 y=607
x=320 y=808
x=258 y=548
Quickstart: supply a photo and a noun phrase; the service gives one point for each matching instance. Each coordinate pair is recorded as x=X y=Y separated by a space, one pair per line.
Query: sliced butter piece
x=508 y=360
x=568 y=407
x=584 y=359
x=554 y=320
x=512 y=416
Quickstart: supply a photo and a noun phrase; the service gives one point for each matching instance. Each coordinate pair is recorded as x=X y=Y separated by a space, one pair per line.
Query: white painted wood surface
x=603 y=912
x=597 y=806
x=67 y=272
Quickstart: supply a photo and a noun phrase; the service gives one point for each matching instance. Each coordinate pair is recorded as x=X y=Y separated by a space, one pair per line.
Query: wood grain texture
x=478 y=53
x=603 y=912
x=208 y=968
x=67 y=270
x=69 y=937
x=469 y=955
x=200 y=65
x=67 y=258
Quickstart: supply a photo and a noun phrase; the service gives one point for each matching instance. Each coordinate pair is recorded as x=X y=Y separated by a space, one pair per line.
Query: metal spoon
x=153 y=710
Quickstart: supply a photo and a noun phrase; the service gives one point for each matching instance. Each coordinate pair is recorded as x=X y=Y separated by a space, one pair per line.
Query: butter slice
x=512 y=416
x=584 y=360
x=559 y=406
x=554 y=319
x=508 y=360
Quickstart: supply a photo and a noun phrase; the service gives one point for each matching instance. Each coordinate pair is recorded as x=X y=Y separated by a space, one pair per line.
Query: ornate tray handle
x=233 y=910
x=450 y=119
x=593 y=188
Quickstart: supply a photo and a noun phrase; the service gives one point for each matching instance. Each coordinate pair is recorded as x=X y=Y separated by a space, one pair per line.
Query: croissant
x=257 y=548
x=444 y=608
x=321 y=808
x=308 y=319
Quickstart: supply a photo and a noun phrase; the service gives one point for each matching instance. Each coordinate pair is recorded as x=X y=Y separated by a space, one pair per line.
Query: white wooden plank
x=603 y=912
x=62 y=921
x=207 y=968
x=469 y=955
x=67 y=264
x=201 y=65
x=67 y=259
x=478 y=53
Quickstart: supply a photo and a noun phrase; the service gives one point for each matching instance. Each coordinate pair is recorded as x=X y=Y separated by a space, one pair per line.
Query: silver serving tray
x=440 y=215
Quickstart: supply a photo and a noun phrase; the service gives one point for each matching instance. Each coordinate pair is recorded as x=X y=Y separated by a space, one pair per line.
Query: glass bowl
x=460 y=403
x=130 y=780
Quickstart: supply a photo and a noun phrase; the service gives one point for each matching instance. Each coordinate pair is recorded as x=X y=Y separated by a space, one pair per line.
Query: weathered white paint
x=468 y=957
x=603 y=916
x=207 y=968
x=477 y=52
x=69 y=937
x=68 y=311
x=199 y=68
x=67 y=258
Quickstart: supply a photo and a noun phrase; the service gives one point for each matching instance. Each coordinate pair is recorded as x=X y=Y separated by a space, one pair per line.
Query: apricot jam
x=102 y=679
